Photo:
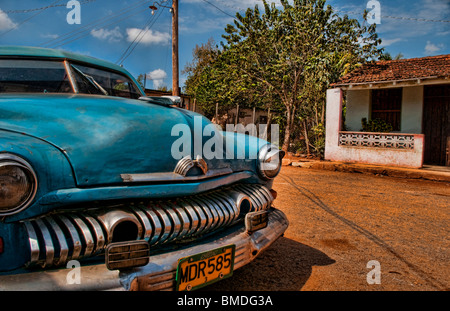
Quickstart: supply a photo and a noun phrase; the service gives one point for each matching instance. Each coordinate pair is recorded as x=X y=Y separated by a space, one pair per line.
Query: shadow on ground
x=285 y=266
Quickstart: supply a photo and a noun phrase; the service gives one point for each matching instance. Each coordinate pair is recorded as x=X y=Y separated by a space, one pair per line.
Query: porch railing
x=377 y=140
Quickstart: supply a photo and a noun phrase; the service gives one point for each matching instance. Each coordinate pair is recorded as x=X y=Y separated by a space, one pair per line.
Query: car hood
x=102 y=137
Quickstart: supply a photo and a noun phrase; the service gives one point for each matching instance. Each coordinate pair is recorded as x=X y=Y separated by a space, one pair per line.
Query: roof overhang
x=393 y=83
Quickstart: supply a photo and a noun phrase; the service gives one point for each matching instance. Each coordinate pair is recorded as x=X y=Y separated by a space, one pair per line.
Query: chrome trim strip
x=49 y=248
x=183 y=166
x=98 y=234
x=86 y=234
x=255 y=202
x=166 y=225
x=74 y=235
x=208 y=215
x=63 y=247
x=223 y=216
x=183 y=216
x=177 y=227
x=212 y=213
x=234 y=209
x=172 y=176
x=269 y=195
x=257 y=196
x=33 y=241
x=71 y=77
x=145 y=223
x=193 y=218
x=156 y=225
x=201 y=215
x=227 y=209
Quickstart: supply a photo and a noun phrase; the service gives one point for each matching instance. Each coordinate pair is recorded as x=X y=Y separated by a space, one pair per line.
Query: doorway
x=436 y=124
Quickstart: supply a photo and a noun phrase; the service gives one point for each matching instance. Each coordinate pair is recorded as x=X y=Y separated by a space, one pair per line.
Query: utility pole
x=175 y=60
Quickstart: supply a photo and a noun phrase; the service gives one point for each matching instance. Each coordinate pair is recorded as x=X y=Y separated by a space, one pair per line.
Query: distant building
x=412 y=95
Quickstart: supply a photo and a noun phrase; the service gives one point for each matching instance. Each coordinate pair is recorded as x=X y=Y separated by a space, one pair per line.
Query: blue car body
x=95 y=155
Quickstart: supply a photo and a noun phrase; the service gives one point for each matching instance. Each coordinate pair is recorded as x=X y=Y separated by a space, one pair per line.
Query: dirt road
x=341 y=222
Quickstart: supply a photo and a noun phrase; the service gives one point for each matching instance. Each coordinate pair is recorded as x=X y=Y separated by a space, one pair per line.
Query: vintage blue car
x=94 y=195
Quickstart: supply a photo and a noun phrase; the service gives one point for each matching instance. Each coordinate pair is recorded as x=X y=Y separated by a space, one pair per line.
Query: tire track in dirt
x=369 y=235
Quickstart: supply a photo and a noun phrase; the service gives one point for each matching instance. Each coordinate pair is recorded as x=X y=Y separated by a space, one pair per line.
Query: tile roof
x=396 y=70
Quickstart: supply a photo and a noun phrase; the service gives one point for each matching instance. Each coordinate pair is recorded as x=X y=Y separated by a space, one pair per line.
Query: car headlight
x=269 y=161
x=18 y=184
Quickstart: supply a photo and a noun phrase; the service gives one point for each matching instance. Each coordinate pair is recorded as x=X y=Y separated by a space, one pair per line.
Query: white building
x=412 y=95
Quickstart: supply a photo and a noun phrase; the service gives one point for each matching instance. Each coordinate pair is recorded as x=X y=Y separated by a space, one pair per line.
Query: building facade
x=407 y=101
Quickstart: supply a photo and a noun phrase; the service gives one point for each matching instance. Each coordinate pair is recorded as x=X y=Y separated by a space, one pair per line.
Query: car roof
x=54 y=53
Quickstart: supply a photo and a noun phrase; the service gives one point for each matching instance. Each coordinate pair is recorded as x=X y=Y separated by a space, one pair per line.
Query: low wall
x=404 y=150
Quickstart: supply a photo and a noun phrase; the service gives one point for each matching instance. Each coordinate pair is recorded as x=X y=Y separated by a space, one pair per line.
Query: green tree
x=283 y=58
x=296 y=52
x=202 y=73
x=212 y=80
x=140 y=79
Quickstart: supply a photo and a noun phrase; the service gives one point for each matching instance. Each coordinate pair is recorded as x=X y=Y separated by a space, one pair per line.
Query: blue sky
x=415 y=28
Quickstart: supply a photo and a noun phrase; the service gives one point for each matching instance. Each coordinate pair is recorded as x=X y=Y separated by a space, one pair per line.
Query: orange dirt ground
x=340 y=221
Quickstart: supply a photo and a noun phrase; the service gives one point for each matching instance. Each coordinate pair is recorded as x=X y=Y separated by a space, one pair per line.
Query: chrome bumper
x=159 y=274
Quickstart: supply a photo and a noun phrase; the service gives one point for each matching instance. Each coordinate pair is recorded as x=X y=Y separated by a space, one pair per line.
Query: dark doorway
x=436 y=124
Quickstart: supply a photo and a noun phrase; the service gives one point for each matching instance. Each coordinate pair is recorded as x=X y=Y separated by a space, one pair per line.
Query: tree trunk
x=287 y=131
x=267 y=134
x=305 y=132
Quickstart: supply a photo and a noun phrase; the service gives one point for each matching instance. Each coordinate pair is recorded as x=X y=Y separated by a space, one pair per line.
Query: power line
x=88 y=27
x=140 y=39
x=44 y=8
x=25 y=20
x=416 y=19
x=215 y=6
x=135 y=38
x=341 y=11
x=88 y=31
x=140 y=35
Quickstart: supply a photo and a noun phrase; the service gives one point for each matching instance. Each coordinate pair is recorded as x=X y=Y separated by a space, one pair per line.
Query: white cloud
x=5 y=22
x=432 y=48
x=389 y=42
x=157 y=76
x=434 y=9
x=113 y=35
x=148 y=36
x=205 y=24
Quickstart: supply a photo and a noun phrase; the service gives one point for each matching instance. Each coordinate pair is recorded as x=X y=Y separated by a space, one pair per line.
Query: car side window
x=92 y=80
x=33 y=76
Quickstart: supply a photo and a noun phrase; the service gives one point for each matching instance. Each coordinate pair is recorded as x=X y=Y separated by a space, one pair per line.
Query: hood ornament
x=186 y=164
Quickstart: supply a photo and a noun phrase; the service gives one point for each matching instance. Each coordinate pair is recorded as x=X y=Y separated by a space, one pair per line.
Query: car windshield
x=33 y=76
x=92 y=80
x=46 y=76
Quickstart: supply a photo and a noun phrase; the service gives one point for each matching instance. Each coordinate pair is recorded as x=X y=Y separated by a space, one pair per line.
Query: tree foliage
x=283 y=58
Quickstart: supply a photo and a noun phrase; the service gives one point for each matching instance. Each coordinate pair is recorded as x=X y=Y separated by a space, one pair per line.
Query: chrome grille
x=58 y=238
x=165 y=281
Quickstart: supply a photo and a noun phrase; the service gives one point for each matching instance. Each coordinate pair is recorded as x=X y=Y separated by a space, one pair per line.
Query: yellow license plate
x=199 y=270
